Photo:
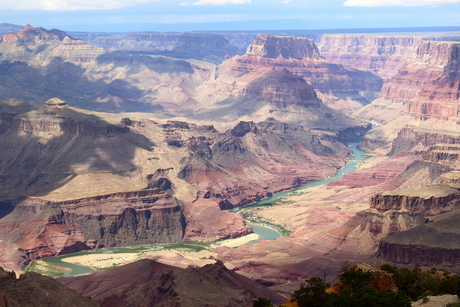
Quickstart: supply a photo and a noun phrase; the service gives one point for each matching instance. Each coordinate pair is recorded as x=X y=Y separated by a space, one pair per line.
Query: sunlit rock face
x=381 y=54
x=426 y=87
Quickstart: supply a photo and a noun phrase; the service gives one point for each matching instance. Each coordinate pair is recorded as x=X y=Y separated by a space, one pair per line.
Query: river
x=265 y=233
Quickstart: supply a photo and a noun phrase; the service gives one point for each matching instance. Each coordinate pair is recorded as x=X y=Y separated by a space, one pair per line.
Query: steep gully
x=265 y=233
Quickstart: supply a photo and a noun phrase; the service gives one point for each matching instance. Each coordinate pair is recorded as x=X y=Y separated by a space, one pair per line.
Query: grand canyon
x=118 y=140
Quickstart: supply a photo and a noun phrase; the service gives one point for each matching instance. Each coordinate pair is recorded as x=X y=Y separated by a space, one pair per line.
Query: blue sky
x=189 y=15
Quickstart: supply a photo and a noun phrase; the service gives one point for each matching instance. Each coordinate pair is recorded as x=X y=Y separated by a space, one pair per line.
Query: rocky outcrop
x=267 y=82
x=431 y=200
x=423 y=140
x=31 y=36
x=154 y=284
x=428 y=245
x=305 y=61
x=32 y=289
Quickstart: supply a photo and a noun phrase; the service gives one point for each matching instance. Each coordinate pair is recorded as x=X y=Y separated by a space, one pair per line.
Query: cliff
x=383 y=55
x=431 y=200
x=111 y=220
x=428 y=245
x=425 y=87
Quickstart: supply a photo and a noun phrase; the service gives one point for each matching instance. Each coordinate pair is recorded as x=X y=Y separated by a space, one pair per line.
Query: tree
x=261 y=302
x=312 y=293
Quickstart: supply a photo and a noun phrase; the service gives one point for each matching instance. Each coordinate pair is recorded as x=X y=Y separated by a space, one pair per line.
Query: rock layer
x=426 y=87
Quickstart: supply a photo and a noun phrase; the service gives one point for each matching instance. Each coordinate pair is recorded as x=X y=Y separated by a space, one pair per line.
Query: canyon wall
x=118 y=219
x=425 y=87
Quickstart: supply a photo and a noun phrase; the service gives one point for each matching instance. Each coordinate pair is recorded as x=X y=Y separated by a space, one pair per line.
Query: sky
x=227 y=15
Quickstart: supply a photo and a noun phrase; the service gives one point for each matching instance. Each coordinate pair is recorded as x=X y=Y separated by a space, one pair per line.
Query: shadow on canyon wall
x=44 y=148
x=73 y=83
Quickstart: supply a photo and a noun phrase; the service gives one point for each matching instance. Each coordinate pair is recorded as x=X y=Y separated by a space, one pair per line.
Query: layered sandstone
x=118 y=219
x=426 y=87
x=431 y=200
x=305 y=61
x=381 y=54
x=428 y=245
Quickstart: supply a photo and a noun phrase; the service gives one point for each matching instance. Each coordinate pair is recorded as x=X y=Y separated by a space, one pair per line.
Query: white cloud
x=396 y=2
x=69 y=5
x=219 y=2
x=285 y=1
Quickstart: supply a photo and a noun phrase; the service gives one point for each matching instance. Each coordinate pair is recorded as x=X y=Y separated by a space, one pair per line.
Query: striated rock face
x=270 y=46
x=435 y=145
x=428 y=245
x=304 y=60
x=118 y=219
x=383 y=55
x=426 y=87
x=431 y=200
x=149 y=283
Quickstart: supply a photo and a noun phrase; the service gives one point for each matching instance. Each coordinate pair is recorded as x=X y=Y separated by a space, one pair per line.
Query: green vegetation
x=261 y=302
x=356 y=291
x=43 y=268
x=251 y=215
x=418 y=284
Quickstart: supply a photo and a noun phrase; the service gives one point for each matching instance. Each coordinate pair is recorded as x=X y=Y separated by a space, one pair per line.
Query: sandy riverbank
x=177 y=257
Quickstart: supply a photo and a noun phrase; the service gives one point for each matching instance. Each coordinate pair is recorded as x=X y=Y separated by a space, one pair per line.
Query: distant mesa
x=286 y=47
x=56 y=102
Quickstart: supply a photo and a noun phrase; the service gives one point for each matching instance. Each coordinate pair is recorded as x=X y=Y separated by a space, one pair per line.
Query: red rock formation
x=381 y=54
x=118 y=219
x=30 y=35
x=305 y=61
x=426 y=87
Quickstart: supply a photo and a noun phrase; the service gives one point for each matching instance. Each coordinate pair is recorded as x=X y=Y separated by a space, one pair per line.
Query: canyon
x=116 y=140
